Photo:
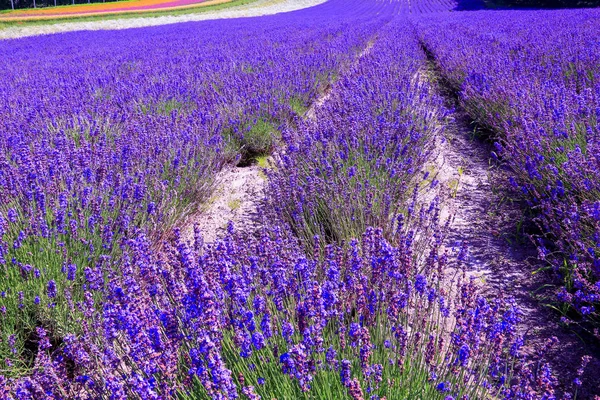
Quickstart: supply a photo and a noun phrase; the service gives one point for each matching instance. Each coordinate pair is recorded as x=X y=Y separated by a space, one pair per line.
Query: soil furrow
x=239 y=190
x=501 y=257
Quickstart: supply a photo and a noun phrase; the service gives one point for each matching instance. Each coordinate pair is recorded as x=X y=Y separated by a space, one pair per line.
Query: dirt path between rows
x=501 y=257
x=311 y=113
x=239 y=190
x=236 y=198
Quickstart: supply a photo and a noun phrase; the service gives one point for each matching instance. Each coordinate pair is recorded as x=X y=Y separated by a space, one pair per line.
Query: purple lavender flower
x=287 y=330
x=443 y=387
x=258 y=340
x=420 y=283
x=331 y=357
x=71 y=270
x=265 y=326
x=345 y=373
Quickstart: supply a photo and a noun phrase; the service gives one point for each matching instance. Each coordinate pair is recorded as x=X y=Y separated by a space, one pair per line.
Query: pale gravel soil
x=258 y=8
x=235 y=199
x=239 y=190
x=501 y=258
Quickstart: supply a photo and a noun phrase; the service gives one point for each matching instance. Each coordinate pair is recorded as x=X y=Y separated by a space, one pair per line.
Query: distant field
x=14 y=28
x=119 y=7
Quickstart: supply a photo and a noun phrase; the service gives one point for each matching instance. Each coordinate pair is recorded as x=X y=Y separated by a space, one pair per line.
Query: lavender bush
x=356 y=165
x=257 y=317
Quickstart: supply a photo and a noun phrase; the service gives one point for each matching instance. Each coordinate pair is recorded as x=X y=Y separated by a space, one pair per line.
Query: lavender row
x=256 y=318
x=532 y=78
x=359 y=162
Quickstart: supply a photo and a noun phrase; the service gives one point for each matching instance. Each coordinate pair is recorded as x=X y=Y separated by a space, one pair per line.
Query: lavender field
x=363 y=199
